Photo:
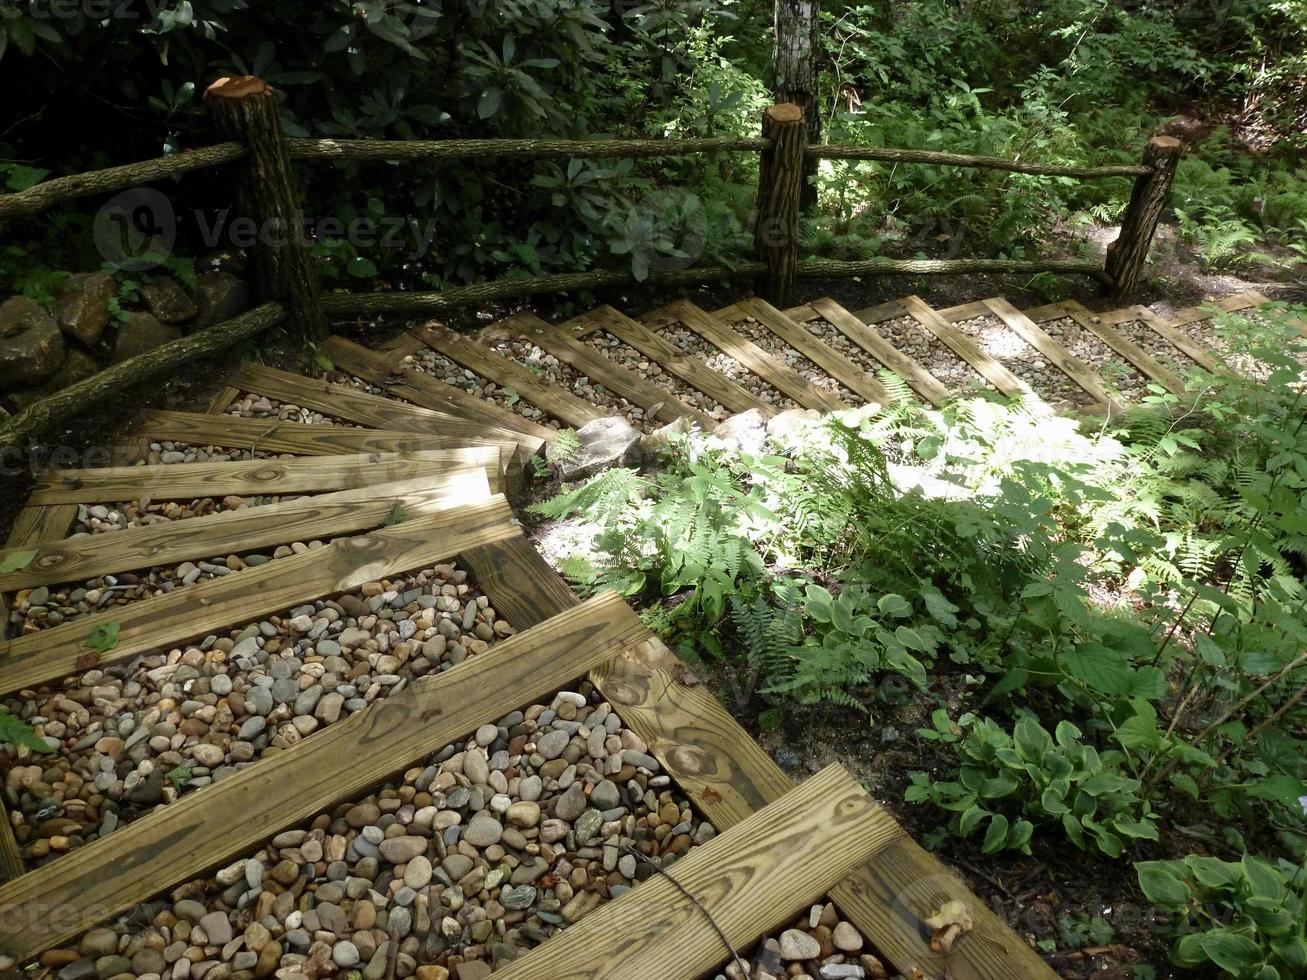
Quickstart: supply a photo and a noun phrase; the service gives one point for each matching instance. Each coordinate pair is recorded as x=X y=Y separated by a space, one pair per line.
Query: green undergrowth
x=1106 y=620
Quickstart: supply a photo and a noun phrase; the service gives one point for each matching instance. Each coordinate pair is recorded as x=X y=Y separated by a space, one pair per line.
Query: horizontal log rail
x=45 y=195
x=891 y=155
x=424 y=151
x=344 y=305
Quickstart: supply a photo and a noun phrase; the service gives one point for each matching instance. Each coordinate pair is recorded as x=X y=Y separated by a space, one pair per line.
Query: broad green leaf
x=1161 y=885
x=16 y=561
x=104 y=637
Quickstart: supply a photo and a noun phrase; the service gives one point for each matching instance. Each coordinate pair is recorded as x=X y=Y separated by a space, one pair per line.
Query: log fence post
x=244 y=108
x=1127 y=255
x=780 y=192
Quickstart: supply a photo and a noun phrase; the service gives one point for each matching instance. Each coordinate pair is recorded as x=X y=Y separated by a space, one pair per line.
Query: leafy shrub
x=1007 y=783
x=1246 y=917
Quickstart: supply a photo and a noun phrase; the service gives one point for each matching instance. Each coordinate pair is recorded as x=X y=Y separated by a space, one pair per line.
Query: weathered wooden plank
x=234 y=531
x=373 y=411
x=753 y=358
x=1042 y=314
x=387 y=371
x=729 y=776
x=39 y=522
x=966 y=348
x=258 y=477
x=295 y=438
x=1181 y=341
x=866 y=336
x=526 y=590
x=803 y=313
x=657 y=402
x=11 y=855
x=557 y=401
x=1061 y=358
x=964 y=311
x=879 y=313
x=1226 y=304
x=749 y=880
x=690 y=370
x=236 y=815
x=1123 y=345
x=832 y=362
x=193 y=611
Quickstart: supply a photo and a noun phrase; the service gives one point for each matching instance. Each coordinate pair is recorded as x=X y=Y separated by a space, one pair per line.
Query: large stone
x=140 y=334
x=77 y=366
x=31 y=346
x=167 y=301
x=82 y=311
x=604 y=442
x=219 y=296
x=744 y=432
x=791 y=427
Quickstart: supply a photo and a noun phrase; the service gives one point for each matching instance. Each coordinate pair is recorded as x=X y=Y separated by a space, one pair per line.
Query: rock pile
x=1006 y=346
x=92 y=323
x=689 y=342
x=787 y=355
x=628 y=357
x=443 y=369
x=908 y=335
x=1118 y=373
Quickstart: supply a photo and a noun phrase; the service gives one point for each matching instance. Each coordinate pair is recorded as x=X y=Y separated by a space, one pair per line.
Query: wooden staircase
x=404 y=468
x=683 y=362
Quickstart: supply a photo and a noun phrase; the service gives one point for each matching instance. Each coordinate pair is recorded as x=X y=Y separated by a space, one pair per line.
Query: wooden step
x=232 y=817
x=964 y=347
x=1078 y=371
x=753 y=878
x=386 y=370
x=751 y=357
x=371 y=411
x=293 y=438
x=1145 y=362
x=1172 y=336
x=655 y=401
x=193 y=611
x=865 y=335
x=259 y=477
x=729 y=776
x=692 y=371
x=236 y=531
x=792 y=333
x=549 y=398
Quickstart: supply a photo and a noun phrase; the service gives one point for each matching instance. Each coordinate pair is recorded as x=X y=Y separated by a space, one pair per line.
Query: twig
x=255 y=444
x=738 y=959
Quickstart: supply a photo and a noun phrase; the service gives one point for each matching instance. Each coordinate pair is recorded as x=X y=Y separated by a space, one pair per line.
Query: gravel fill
x=134 y=735
x=497 y=842
x=1157 y=345
x=443 y=369
x=1008 y=347
x=1117 y=373
x=758 y=332
x=536 y=358
x=628 y=357
x=952 y=371
x=818 y=946
x=144 y=512
x=690 y=343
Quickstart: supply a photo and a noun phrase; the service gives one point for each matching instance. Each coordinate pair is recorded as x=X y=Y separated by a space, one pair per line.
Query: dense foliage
x=1103 y=624
x=1072 y=80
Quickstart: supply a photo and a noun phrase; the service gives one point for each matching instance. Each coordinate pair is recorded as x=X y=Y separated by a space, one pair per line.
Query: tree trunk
x=794 y=68
x=780 y=189
x=245 y=109
x=1127 y=255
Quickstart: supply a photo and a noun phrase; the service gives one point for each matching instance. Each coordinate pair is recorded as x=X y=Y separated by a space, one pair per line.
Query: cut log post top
x=236 y=87
x=780 y=187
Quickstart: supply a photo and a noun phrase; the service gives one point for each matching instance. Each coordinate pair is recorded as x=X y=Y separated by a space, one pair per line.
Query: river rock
x=140 y=334
x=82 y=311
x=31 y=346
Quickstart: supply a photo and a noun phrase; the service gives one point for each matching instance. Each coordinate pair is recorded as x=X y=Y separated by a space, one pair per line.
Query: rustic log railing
x=243 y=110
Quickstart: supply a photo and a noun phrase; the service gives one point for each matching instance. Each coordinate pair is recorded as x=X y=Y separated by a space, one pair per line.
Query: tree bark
x=780 y=189
x=936 y=158
x=245 y=109
x=795 y=76
x=426 y=151
x=39 y=416
x=1127 y=255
